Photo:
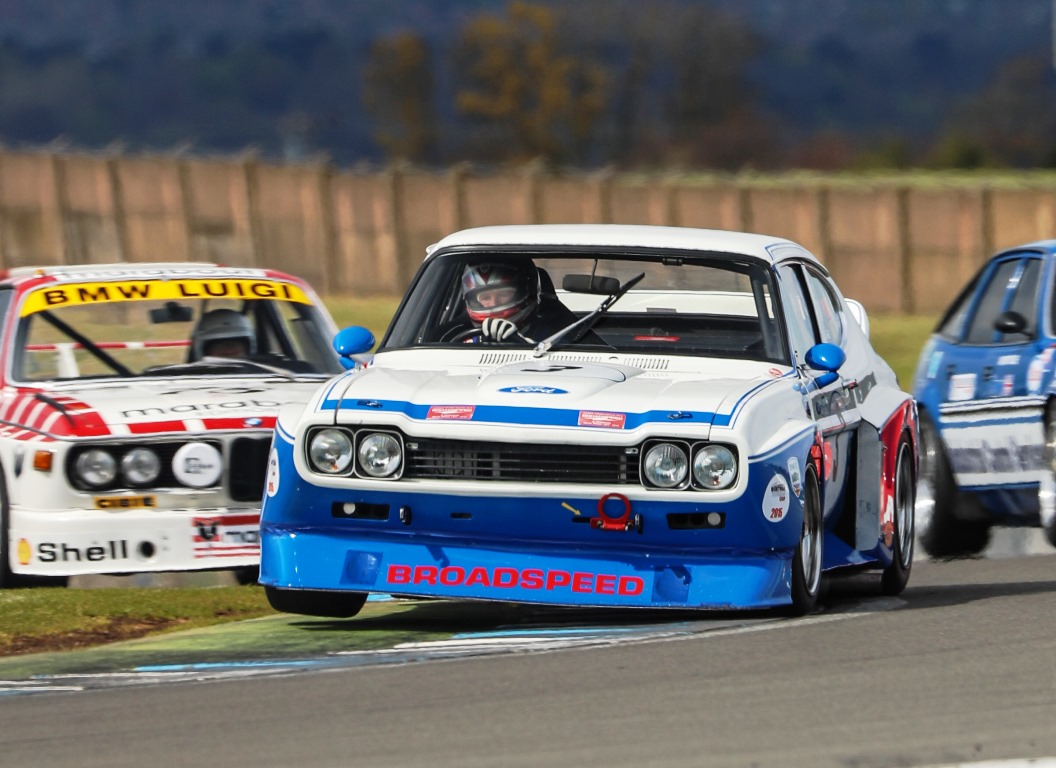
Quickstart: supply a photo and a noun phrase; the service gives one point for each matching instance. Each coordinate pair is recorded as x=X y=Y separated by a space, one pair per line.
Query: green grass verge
x=46 y=619
x=33 y=620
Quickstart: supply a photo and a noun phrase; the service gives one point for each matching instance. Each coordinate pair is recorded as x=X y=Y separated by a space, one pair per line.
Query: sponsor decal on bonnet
x=450 y=412
x=603 y=419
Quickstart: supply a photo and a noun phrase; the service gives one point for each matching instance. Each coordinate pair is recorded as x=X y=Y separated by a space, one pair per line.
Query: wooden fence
x=897 y=246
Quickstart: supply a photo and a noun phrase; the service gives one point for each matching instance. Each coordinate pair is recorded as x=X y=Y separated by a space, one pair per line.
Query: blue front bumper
x=314 y=559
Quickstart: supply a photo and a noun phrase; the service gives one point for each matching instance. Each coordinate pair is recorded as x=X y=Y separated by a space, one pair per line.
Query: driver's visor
x=491 y=298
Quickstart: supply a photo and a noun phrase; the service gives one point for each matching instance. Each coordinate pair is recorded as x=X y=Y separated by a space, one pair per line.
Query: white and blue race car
x=598 y=415
x=987 y=402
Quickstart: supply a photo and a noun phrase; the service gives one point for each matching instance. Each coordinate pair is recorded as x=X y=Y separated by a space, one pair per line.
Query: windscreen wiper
x=586 y=322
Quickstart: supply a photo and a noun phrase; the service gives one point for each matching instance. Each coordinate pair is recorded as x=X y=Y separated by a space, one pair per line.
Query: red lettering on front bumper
x=579 y=582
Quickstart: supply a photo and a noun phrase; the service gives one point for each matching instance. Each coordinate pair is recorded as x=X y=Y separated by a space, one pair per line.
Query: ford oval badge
x=533 y=389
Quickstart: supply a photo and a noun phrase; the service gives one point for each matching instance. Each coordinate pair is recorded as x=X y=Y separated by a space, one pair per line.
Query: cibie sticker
x=794 y=477
x=272 y=484
x=775 y=500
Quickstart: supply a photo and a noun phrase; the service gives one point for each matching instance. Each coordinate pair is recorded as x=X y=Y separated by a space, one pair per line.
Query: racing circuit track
x=961 y=668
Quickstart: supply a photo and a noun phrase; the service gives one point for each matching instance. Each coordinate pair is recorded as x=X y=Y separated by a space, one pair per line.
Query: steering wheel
x=463 y=335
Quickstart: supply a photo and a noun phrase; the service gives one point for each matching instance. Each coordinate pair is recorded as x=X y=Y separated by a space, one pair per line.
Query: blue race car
x=598 y=415
x=985 y=389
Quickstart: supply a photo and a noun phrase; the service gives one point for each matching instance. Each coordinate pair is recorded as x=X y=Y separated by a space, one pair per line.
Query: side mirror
x=1010 y=321
x=827 y=358
x=354 y=346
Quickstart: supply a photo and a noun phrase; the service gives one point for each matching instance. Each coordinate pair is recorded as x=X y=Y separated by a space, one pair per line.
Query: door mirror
x=354 y=345
x=1010 y=322
x=827 y=358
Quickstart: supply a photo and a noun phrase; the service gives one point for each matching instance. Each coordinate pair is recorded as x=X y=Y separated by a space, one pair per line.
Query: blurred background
x=902 y=141
x=634 y=84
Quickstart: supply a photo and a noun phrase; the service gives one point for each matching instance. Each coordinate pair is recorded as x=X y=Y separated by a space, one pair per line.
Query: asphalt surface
x=961 y=668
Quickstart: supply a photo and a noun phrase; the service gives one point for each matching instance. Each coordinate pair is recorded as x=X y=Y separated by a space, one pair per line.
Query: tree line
x=586 y=84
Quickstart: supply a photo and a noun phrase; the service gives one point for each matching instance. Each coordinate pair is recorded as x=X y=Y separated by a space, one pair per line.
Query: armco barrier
x=896 y=244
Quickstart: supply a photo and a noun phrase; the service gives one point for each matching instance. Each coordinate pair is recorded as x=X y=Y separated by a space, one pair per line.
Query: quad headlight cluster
x=367 y=453
x=99 y=468
x=674 y=464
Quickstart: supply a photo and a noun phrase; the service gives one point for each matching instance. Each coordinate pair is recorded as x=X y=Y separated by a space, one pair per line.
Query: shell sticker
x=272 y=484
x=775 y=500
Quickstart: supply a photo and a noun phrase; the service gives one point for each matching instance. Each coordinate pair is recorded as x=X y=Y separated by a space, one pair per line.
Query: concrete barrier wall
x=896 y=246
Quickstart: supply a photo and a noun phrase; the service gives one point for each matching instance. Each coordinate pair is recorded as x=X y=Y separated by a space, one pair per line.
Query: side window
x=952 y=322
x=826 y=307
x=1025 y=300
x=992 y=302
x=797 y=312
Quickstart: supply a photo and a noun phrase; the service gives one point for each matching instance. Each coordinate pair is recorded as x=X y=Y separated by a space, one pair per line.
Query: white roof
x=625 y=235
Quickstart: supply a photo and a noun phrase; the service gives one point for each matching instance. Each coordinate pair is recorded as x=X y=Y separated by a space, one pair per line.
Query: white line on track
x=509 y=640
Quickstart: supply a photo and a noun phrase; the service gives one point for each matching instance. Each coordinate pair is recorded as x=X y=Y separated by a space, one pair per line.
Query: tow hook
x=625 y=521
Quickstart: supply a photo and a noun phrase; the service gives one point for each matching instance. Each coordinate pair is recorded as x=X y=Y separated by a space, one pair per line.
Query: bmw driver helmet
x=222 y=325
x=506 y=291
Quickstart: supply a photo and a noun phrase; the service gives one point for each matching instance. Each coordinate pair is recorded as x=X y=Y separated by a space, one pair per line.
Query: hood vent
x=644 y=363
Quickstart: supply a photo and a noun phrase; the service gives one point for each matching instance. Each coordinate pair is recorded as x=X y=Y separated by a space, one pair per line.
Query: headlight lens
x=96 y=467
x=715 y=467
x=330 y=451
x=665 y=465
x=380 y=455
x=140 y=466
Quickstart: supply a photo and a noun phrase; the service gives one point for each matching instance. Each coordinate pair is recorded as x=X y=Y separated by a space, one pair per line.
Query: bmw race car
x=987 y=401
x=136 y=411
x=598 y=415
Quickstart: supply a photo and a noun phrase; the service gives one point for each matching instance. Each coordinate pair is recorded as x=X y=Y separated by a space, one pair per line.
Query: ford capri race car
x=136 y=412
x=987 y=398
x=598 y=415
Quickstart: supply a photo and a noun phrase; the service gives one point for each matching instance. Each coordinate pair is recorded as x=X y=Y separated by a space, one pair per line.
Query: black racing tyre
x=941 y=533
x=8 y=579
x=896 y=576
x=247 y=575
x=1048 y=516
x=807 y=562
x=316 y=602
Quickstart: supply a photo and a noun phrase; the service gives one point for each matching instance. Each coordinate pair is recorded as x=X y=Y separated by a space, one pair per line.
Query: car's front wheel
x=316 y=602
x=1048 y=513
x=896 y=576
x=942 y=534
x=806 y=564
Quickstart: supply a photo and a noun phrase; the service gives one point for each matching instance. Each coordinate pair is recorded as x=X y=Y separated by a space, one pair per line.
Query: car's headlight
x=665 y=465
x=380 y=455
x=96 y=467
x=140 y=466
x=715 y=467
x=330 y=451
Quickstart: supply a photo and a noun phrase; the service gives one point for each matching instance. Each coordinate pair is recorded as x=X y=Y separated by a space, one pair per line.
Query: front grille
x=248 y=467
x=465 y=460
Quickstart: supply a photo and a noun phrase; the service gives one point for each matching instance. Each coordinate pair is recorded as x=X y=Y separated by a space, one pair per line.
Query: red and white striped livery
x=137 y=403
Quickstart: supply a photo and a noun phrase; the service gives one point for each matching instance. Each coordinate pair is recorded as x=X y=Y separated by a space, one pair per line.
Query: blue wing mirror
x=827 y=358
x=354 y=345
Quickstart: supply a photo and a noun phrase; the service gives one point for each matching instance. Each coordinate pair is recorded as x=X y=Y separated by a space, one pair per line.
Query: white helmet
x=509 y=291
x=221 y=324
